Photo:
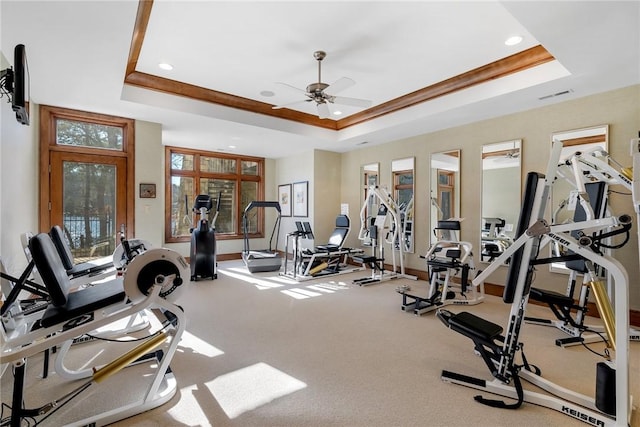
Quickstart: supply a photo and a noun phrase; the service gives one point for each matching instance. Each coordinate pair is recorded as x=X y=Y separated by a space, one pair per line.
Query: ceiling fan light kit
x=316 y=92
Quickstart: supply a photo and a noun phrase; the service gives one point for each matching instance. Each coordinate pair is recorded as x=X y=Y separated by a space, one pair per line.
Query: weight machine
x=611 y=405
x=385 y=227
x=149 y=282
x=590 y=174
x=323 y=260
x=446 y=259
x=20 y=315
x=494 y=242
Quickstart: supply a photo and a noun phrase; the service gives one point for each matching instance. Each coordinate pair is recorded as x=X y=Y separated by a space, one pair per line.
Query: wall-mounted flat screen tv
x=20 y=101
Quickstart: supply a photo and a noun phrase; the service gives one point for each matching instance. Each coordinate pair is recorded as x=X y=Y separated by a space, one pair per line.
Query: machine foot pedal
x=561 y=342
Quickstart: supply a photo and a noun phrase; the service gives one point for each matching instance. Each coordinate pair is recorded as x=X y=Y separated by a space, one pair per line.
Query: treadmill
x=263 y=259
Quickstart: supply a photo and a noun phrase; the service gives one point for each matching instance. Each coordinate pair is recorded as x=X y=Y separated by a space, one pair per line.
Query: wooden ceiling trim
x=512 y=64
x=139 y=31
x=532 y=57
x=173 y=87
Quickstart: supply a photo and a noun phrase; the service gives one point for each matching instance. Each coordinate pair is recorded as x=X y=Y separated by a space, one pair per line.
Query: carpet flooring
x=264 y=350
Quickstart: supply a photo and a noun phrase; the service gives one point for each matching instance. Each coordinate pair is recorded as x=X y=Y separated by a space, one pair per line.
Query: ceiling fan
x=316 y=92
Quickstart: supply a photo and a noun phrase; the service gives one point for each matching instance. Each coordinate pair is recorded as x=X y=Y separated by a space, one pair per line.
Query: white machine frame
x=443 y=269
x=19 y=347
x=564 y=400
x=392 y=224
x=321 y=261
x=579 y=169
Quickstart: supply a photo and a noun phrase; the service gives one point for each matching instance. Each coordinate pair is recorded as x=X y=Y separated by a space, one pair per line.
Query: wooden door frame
x=47 y=122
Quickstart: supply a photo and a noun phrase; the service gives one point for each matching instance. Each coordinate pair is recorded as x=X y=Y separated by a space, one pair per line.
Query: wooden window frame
x=196 y=174
x=450 y=187
x=397 y=186
x=48 y=117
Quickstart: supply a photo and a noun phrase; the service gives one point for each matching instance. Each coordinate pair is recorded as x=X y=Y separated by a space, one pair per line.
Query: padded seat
x=66 y=305
x=364 y=259
x=328 y=248
x=449 y=260
x=66 y=257
x=442 y=265
x=474 y=327
x=339 y=235
x=550 y=297
x=84 y=301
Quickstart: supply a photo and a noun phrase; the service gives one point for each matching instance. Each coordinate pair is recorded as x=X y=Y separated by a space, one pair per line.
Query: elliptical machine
x=203 y=239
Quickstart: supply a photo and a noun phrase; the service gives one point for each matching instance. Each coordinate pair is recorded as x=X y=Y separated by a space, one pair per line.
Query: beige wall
x=326 y=193
x=19 y=176
x=287 y=171
x=620 y=109
x=149 y=168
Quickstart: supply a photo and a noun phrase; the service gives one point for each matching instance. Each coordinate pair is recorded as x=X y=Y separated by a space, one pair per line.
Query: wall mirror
x=369 y=176
x=583 y=140
x=445 y=188
x=402 y=176
x=501 y=174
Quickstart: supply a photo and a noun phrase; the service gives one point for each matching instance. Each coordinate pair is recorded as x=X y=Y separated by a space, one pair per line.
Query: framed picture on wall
x=301 y=198
x=147 y=191
x=284 y=198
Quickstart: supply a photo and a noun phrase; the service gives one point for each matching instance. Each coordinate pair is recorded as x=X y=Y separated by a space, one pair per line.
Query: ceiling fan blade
x=288 y=86
x=323 y=110
x=340 y=85
x=354 y=102
x=289 y=104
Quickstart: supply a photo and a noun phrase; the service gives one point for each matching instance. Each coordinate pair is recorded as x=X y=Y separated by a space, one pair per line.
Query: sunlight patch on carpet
x=259 y=283
x=321 y=288
x=335 y=285
x=251 y=387
x=315 y=290
x=198 y=346
x=283 y=279
x=299 y=293
x=190 y=410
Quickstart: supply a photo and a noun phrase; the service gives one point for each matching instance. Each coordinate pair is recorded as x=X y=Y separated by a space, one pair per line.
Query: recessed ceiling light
x=232 y=147
x=267 y=93
x=165 y=66
x=513 y=40
x=337 y=113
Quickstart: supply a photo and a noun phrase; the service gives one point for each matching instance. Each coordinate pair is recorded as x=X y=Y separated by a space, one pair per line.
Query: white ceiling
x=78 y=52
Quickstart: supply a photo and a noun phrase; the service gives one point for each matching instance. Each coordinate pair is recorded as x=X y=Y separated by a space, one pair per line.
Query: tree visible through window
x=237 y=180
x=76 y=133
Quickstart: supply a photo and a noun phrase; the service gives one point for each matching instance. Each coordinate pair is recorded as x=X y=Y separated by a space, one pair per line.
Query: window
x=446 y=191
x=403 y=186
x=83 y=134
x=238 y=180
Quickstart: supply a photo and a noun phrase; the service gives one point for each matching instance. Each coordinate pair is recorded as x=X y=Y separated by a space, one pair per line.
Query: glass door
x=87 y=201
